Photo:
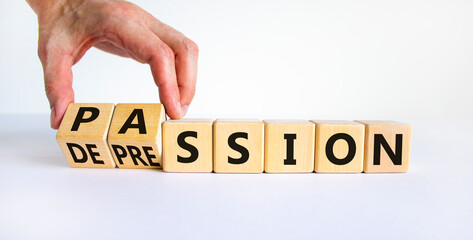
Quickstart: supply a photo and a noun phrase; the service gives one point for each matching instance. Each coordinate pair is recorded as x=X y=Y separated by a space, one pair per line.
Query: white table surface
x=41 y=197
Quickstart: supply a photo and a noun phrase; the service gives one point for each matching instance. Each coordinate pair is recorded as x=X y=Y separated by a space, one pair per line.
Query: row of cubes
x=101 y=135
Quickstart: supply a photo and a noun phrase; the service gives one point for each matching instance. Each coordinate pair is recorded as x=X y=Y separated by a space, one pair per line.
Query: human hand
x=68 y=28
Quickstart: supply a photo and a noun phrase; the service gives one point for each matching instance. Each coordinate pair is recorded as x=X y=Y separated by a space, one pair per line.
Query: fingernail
x=184 y=110
x=53 y=116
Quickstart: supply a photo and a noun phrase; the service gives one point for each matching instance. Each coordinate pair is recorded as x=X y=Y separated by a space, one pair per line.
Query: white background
x=403 y=60
x=277 y=59
x=41 y=197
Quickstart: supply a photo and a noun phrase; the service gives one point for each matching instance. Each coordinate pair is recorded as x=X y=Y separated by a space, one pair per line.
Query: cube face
x=238 y=146
x=387 y=146
x=135 y=135
x=187 y=145
x=339 y=146
x=82 y=135
x=289 y=146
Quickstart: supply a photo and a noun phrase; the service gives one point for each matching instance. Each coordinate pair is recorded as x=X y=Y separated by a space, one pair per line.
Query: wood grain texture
x=397 y=136
x=136 y=147
x=88 y=142
x=223 y=129
x=196 y=132
x=278 y=135
x=329 y=139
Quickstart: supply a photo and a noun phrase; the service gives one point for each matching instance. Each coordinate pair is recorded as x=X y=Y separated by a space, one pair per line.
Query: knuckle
x=55 y=89
x=165 y=83
x=165 y=52
x=190 y=47
x=44 y=48
x=41 y=53
x=50 y=87
x=122 y=9
x=49 y=47
x=47 y=51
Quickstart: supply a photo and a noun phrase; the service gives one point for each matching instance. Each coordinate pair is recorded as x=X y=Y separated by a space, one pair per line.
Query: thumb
x=58 y=84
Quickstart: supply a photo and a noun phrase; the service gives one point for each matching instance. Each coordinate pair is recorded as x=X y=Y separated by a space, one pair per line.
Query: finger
x=150 y=49
x=109 y=47
x=58 y=84
x=186 y=55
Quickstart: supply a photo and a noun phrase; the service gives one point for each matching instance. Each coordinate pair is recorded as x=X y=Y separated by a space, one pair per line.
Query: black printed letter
x=351 y=149
x=140 y=125
x=290 y=149
x=80 y=116
x=245 y=155
x=181 y=141
x=379 y=140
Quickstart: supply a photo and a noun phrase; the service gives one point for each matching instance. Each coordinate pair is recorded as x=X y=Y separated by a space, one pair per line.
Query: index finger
x=186 y=55
x=144 y=45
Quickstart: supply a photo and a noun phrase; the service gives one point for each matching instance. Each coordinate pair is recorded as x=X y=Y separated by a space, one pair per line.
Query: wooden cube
x=339 y=146
x=387 y=146
x=135 y=135
x=288 y=146
x=238 y=146
x=82 y=135
x=187 y=145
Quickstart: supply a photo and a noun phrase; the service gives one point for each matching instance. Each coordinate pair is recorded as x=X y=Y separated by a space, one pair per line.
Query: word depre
x=102 y=135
